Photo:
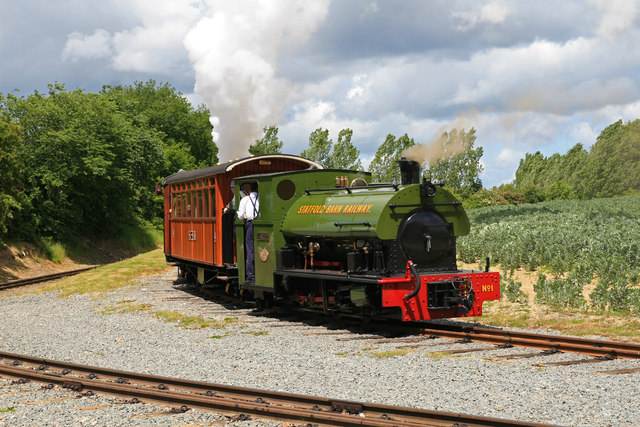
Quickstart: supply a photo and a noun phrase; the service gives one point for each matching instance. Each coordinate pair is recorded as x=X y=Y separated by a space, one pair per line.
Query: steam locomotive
x=326 y=239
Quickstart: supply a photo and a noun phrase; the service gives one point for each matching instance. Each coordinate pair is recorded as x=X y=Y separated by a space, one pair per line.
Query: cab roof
x=183 y=175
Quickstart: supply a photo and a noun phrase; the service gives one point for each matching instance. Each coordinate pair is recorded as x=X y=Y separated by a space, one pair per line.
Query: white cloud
x=86 y=47
x=509 y=156
x=582 y=132
x=618 y=16
x=155 y=44
x=494 y=12
x=149 y=48
x=359 y=86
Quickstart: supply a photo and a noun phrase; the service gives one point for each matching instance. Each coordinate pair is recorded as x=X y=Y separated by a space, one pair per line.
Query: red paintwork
x=485 y=284
x=192 y=250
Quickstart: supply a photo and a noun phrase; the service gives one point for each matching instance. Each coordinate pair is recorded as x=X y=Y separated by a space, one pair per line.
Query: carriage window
x=176 y=205
x=205 y=203
x=194 y=199
x=174 y=211
x=196 y=207
x=212 y=201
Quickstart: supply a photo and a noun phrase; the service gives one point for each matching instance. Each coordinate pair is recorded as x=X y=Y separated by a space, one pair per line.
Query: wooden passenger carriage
x=198 y=235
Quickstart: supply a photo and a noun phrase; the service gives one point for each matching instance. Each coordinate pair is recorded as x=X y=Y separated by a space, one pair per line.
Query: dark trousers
x=248 y=246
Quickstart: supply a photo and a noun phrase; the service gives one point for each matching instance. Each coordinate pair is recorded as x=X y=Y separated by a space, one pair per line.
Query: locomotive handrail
x=340 y=224
x=393 y=185
x=415 y=274
x=415 y=205
x=309 y=190
x=348 y=189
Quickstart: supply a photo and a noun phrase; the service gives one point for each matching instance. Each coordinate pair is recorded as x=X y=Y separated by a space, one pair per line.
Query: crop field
x=571 y=243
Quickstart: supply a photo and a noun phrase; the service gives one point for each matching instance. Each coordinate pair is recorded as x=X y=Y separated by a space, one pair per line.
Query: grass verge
x=569 y=322
x=391 y=353
x=125 y=307
x=193 y=322
x=108 y=277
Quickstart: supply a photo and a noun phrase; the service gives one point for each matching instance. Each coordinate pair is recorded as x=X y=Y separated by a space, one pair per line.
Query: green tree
x=319 y=147
x=345 y=155
x=89 y=168
x=460 y=167
x=383 y=166
x=558 y=176
x=530 y=170
x=611 y=168
x=269 y=144
x=184 y=131
x=10 y=178
x=614 y=161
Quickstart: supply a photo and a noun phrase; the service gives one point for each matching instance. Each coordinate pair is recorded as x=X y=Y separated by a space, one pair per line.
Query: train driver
x=248 y=210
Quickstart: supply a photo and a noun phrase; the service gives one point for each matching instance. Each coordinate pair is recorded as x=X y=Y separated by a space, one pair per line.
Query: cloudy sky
x=528 y=75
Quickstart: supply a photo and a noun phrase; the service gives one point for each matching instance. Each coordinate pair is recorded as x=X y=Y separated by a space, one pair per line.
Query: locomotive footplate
x=440 y=295
x=330 y=275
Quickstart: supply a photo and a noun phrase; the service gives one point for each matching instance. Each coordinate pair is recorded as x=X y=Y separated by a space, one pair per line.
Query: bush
x=53 y=251
x=512 y=290
x=615 y=295
x=560 y=292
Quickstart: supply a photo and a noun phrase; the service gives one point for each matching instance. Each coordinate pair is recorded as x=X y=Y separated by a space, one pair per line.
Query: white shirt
x=249 y=207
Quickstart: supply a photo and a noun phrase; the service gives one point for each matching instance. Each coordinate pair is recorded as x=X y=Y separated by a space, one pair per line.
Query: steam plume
x=443 y=145
x=234 y=51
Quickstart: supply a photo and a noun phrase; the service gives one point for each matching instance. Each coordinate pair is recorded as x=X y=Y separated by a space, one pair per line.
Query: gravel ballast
x=120 y=330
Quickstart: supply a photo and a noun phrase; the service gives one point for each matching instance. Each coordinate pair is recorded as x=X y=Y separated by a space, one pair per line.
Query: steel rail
x=234 y=400
x=31 y=280
x=560 y=343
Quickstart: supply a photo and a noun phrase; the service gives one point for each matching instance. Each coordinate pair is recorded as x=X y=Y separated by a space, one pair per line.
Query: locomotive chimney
x=409 y=170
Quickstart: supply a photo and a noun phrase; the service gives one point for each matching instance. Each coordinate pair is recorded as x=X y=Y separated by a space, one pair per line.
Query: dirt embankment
x=25 y=261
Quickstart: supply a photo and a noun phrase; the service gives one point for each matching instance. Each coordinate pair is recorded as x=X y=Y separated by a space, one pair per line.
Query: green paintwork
x=281 y=220
x=267 y=227
x=318 y=213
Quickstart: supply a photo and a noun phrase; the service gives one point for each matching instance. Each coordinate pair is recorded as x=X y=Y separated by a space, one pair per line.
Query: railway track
x=549 y=343
x=230 y=400
x=39 y=279
x=602 y=349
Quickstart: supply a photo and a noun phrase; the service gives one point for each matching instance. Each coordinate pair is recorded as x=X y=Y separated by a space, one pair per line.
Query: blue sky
x=526 y=75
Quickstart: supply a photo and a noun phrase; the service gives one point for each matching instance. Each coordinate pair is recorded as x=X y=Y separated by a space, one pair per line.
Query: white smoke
x=234 y=50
